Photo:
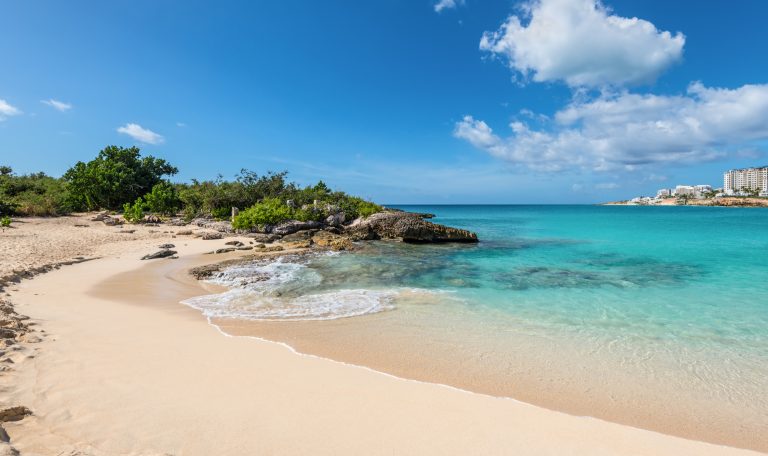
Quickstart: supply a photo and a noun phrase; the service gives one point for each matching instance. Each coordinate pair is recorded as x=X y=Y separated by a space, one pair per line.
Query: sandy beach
x=117 y=365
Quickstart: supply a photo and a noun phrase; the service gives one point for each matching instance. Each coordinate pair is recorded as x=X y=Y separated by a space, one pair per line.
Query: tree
x=6 y=170
x=162 y=199
x=116 y=176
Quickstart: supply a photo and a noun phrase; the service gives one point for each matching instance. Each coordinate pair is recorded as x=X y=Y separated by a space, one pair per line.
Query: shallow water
x=671 y=297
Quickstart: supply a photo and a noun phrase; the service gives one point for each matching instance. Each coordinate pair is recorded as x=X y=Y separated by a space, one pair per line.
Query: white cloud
x=607 y=186
x=58 y=105
x=6 y=110
x=447 y=4
x=141 y=134
x=582 y=43
x=623 y=130
x=181 y=124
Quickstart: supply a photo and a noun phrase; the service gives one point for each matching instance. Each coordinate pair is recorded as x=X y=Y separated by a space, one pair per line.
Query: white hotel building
x=752 y=178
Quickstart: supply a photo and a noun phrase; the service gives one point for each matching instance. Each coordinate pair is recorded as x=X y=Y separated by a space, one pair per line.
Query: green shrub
x=7 y=207
x=270 y=211
x=5 y=222
x=31 y=194
x=134 y=213
x=116 y=176
x=162 y=199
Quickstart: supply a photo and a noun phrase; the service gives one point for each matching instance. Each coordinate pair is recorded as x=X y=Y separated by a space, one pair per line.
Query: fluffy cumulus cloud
x=447 y=4
x=582 y=43
x=57 y=105
x=623 y=130
x=6 y=110
x=141 y=134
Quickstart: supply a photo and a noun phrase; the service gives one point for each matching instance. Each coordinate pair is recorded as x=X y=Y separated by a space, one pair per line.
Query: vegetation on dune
x=121 y=179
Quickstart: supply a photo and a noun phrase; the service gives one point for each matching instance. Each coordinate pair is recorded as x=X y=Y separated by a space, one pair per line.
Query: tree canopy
x=116 y=176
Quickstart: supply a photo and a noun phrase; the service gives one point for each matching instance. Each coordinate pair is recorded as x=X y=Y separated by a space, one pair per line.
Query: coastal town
x=741 y=187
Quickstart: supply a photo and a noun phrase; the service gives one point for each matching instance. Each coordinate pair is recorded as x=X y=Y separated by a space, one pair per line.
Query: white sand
x=111 y=377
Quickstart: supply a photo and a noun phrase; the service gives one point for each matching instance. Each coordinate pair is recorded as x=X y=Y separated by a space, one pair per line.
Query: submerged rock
x=406 y=226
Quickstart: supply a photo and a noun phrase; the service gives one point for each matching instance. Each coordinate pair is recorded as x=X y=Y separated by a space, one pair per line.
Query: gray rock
x=263 y=237
x=159 y=254
x=167 y=246
x=294 y=226
x=408 y=227
x=335 y=220
x=234 y=243
x=211 y=236
x=299 y=236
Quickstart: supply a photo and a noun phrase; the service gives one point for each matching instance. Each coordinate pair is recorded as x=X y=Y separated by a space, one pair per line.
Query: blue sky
x=546 y=101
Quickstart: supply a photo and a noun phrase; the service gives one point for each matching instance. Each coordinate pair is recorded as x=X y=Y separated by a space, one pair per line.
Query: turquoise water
x=609 y=303
x=653 y=316
x=692 y=276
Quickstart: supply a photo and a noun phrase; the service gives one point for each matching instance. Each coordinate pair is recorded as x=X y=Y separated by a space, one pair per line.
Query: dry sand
x=126 y=369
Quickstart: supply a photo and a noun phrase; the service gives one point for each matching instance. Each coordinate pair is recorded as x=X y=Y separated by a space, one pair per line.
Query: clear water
x=693 y=275
x=654 y=316
x=655 y=290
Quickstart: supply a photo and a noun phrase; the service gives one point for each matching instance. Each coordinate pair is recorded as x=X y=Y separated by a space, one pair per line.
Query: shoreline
x=76 y=404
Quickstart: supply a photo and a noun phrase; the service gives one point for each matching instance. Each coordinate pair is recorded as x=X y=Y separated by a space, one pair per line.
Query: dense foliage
x=116 y=176
x=121 y=179
x=31 y=194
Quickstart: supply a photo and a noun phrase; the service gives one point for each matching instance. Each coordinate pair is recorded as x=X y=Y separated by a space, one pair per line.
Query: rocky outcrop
x=212 y=224
x=263 y=237
x=406 y=226
x=210 y=236
x=293 y=226
x=332 y=241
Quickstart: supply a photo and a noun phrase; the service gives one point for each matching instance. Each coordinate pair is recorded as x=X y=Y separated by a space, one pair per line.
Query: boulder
x=335 y=220
x=159 y=254
x=263 y=237
x=331 y=241
x=303 y=235
x=293 y=226
x=211 y=236
x=151 y=219
x=234 y=243
x=112 y=221
x=167 y=246
x=212 y=224
x=15 y=413
x=406 y=226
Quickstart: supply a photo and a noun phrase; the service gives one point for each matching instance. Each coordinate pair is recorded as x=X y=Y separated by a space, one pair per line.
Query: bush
x=162 y=199
x=134 y=213
x=32 y=194
x=5 y=222
x=270 y=211
x=116 y=176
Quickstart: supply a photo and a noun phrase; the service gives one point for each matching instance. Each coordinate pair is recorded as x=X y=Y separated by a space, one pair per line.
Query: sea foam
x=286 y=289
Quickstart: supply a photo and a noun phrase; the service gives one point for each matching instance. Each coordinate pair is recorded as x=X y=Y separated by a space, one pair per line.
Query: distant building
x=735 y=180
x=701 y=191
x=684 y=190
x=664 y=193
